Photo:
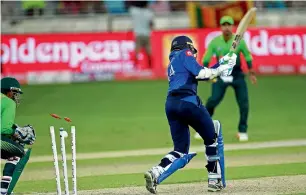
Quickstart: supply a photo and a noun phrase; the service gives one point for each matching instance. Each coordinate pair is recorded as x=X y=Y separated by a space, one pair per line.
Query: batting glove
x=227 y=64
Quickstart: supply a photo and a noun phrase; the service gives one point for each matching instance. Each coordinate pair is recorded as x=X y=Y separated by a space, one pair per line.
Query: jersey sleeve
x=246 y=53
x=208 y=54
x=8 y=112
x=191 y=64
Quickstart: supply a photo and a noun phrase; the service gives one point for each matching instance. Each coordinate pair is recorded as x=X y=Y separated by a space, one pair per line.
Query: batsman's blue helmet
x=182 y=42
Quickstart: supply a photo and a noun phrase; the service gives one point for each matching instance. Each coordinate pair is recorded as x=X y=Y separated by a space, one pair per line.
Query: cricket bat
x=243 y=25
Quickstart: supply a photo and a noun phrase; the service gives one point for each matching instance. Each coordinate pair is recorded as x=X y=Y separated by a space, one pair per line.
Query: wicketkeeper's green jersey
x=8 y=110
x=220 y=48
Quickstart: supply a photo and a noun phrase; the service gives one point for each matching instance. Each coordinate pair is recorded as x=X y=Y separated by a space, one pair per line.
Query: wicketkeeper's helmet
x=183 y=42
x=10 y=84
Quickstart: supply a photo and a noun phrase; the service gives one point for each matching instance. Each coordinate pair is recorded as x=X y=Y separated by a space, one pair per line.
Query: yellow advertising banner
x=167 y=39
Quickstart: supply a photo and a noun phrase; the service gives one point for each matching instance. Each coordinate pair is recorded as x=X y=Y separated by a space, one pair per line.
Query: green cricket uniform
x=13 y=138
x=9 y=147
x=8 y=110
x=219 y=47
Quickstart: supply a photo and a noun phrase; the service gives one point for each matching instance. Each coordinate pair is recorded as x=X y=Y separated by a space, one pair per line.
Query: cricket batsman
x=13 y=137
x=183 y=109
x=220 y=46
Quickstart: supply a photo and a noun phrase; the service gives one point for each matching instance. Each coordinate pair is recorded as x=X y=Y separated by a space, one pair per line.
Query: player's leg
x=147 y=46
x=10 y=148
x=241 y=93
x=18 y=171
x=177 y=158
x=8 y=172
x=138 y=45
x=210 y=131
x=12 y=152
x=217 y=94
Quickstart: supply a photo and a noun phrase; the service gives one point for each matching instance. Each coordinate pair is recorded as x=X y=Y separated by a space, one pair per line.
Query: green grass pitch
x=184 y=176
x=130 y=115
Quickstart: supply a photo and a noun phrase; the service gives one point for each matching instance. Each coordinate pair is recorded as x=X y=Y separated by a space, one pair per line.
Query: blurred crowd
x=275 y=4
x=41 y=7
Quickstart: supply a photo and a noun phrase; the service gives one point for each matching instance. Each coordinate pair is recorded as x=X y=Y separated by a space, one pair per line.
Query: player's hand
x=227 y=59
x=227 y=64
x=25 y=134
x=207 y=74
x=252 y=77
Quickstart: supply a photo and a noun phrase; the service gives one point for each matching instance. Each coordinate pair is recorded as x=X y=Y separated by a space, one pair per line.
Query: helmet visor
x=16 y=94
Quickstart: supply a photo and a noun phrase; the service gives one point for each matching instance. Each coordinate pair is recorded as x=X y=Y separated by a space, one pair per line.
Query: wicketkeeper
x=220 y=46
x=183 y=109
x=13 y=137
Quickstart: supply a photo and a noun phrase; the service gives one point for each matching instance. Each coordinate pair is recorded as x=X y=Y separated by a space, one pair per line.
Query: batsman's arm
x=191 y=63
x=8 y=112
x=197 y=70
x=203 y=73
x=247 y=54
x=223 y=68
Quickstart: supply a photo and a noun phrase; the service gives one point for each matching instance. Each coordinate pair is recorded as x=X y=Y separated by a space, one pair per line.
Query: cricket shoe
x=214 y=182
x=243 y=137
x=151 y=178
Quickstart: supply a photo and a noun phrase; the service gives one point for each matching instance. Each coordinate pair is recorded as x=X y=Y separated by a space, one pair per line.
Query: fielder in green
x=219 y=47
x=13 y=137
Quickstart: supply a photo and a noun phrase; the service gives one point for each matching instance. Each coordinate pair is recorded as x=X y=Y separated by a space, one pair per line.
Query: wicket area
x=63 y=135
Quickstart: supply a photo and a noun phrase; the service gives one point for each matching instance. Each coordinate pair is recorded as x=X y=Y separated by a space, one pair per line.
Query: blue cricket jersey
x=182 y=70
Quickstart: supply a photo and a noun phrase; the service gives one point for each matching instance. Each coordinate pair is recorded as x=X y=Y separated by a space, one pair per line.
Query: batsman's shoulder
x=184 y=53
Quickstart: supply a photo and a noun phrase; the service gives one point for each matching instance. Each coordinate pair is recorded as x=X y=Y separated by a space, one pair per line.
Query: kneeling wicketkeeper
x=13 y=137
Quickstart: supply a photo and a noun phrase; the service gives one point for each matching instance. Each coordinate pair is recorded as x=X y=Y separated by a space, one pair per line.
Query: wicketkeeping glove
x=25 y=134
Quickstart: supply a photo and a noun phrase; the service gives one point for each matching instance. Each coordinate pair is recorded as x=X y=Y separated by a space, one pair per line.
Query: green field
x=192 y=174
x=117 y=116
x=155 y=158
x=130 y=115
x=184 y=176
